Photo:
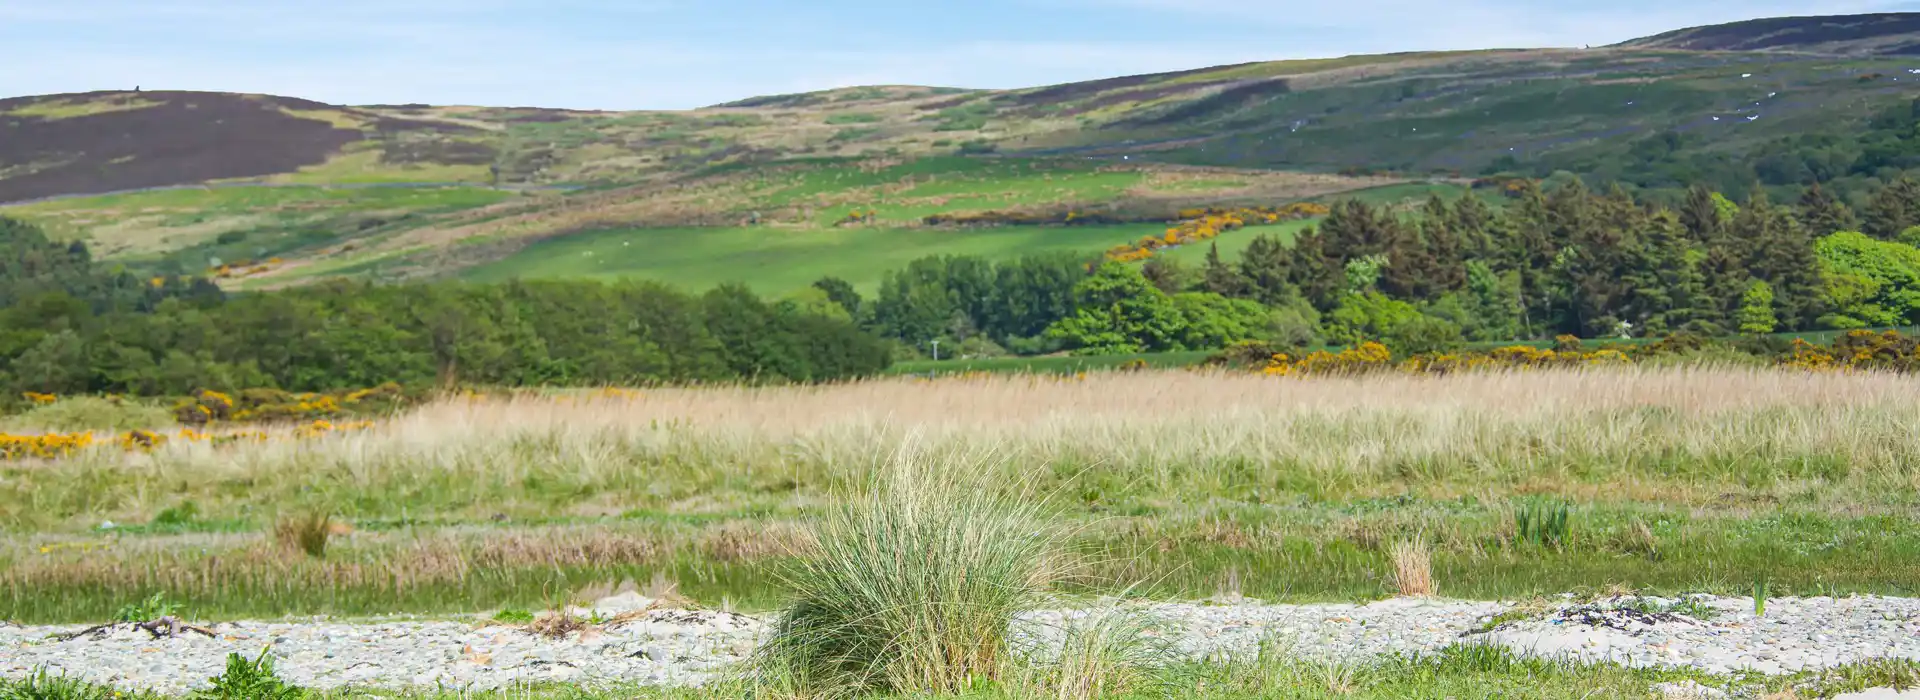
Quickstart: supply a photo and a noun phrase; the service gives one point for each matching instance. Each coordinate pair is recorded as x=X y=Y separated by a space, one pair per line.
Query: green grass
x=865 y=620
x=852 y=118
x=1332 y=550
x=776 y=261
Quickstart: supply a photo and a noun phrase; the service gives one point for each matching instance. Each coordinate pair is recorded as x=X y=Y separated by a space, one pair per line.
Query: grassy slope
x=869 y=148
x=774 y=261
x=783 y=258
x=149 y=222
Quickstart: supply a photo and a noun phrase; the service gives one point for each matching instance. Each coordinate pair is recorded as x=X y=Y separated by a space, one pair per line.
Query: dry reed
x=1678 y=435
x=1412 y=568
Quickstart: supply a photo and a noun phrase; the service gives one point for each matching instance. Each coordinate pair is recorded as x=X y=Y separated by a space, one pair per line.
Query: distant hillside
x=110 y=141
x=1886 y=34
x=854 y=174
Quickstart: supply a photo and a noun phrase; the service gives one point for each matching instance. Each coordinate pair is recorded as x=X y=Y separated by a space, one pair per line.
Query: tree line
x=1551 y=261
x=1544 y=262
x=72 y=325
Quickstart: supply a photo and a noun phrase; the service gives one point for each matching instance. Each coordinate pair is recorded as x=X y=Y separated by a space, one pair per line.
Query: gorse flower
x=1202 y=224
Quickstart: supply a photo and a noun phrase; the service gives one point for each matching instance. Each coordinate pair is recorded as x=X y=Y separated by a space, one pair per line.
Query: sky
x=677 y=54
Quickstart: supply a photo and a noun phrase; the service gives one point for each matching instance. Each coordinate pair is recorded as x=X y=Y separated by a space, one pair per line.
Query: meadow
x=1178 y=484
x=776 y=261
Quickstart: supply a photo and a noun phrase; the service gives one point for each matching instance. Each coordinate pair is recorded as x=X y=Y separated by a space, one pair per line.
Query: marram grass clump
x=912 y=589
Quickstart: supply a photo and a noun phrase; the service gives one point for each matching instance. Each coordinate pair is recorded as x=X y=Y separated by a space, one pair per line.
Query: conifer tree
x=1895 y=208
x=1780 y=252
x=1266 y=266
x=1666 y=278
x=1220 y=278
x=1319 y=275
x=1823 y=215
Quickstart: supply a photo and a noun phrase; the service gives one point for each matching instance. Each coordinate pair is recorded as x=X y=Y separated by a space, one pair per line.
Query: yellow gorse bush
x=49 y=446
x=60 y=445
x=1198 y=225
x=1373 y=357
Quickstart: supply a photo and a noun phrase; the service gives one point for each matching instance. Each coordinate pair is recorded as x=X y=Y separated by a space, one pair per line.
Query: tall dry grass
x=1678 y=435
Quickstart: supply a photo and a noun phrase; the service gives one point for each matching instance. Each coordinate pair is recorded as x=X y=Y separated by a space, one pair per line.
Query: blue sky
x=670 y=54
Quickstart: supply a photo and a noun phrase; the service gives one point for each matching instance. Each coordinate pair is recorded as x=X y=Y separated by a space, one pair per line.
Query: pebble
x=680 y=648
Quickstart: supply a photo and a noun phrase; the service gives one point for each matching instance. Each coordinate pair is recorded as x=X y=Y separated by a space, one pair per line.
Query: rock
x=622 y=603
x=1688 y=690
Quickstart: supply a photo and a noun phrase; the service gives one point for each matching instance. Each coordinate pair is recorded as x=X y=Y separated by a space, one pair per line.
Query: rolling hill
x=1883 y=34
x=277 y=191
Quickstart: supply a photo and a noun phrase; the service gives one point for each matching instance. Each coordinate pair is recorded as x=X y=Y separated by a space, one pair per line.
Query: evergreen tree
x=1823 y=215
x=1780 y=252
x=1168 y=275
x=1316 y=272
x=1666 y=278
x=1527 y=249
x=1411 y=269
x=1598 y=257
x=1723 y=279
x=1472 y=222
x=1220 y=278
x=1267 y=266
x=1354 y=229
x=1703 y=216
x=1895 y=208
x=1441 y=231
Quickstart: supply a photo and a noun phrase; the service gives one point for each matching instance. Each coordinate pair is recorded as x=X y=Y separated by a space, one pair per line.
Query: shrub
x=183 y=513
x=1246 y=354
x=867 y=620
x=84 y=413
x=1424 y=335
x=153 y=608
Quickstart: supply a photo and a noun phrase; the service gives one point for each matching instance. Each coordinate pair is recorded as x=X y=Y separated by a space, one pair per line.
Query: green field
x=776 y=261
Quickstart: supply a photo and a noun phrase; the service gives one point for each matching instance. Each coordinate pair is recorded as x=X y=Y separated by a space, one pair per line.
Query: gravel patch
x=668 y=647
x=662 y=648
x=1795 y=635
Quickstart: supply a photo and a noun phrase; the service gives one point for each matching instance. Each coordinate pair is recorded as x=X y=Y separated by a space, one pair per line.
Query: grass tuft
x=306 y=532
x=1413 y=568
x=43 y=685
x=1108 y=652
x=1542 y=524
x=910 y=590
